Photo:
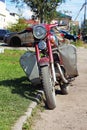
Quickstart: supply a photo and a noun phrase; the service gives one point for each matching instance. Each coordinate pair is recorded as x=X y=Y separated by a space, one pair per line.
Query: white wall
x=10 y=19
x=5 y=18
x=2 y=14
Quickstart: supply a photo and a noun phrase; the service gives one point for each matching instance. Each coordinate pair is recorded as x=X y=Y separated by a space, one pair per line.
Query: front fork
x=53 y=73
x=46 y=60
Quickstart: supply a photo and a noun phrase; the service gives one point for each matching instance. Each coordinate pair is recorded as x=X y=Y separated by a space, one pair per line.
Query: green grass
x=78 y=43
x=16 y=92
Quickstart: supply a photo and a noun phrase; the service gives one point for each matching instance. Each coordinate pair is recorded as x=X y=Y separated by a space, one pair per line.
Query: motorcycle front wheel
x=48 y=87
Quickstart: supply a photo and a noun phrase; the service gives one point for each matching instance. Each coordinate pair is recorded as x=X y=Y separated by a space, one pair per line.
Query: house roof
x=65 y=16
x=30 y=21
x=61 y=15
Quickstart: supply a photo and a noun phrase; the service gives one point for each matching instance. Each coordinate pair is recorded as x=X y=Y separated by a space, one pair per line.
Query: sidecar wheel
x=48 y=87
x=64 y=89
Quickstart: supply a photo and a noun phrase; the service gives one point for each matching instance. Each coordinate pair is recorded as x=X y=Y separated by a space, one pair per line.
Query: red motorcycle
x=51 y=64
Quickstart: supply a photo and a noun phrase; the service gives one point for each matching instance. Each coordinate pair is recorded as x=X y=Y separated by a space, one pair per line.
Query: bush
x=21 y=25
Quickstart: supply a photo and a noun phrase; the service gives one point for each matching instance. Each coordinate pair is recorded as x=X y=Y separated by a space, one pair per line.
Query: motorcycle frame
x=47 y=60
x=43 y=61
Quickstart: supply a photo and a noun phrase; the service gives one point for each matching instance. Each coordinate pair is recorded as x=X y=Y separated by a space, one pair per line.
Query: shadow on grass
x=23 y=87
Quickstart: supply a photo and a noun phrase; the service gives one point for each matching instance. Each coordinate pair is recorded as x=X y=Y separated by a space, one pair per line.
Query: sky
x=24 y=11
x=2 y=0
x=71 y=6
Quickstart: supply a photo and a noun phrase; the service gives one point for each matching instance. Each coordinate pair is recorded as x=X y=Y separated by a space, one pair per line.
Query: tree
x=43 y=9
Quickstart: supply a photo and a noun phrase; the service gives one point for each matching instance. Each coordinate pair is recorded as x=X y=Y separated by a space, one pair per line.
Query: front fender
x=44 y=61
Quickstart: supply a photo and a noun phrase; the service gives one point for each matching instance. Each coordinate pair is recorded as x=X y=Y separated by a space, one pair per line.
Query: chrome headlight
x=54 y=40
x=39 y=31
x=42 y=45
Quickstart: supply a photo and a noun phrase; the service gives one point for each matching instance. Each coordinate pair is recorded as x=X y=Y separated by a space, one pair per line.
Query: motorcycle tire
x=48 y=87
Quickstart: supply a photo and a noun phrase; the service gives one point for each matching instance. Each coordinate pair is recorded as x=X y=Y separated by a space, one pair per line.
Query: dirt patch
x=71 y=110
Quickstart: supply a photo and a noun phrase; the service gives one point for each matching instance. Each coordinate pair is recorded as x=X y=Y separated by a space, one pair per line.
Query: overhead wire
x=80 y=10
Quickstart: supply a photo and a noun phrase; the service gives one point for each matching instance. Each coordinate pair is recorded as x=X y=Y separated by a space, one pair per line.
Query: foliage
x=74 y=29
x=78 y=43
x=43 y=9
x=50 y=16
x=19 y=26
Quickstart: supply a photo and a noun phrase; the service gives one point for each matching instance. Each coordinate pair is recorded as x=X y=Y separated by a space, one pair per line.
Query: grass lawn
x=16 y=93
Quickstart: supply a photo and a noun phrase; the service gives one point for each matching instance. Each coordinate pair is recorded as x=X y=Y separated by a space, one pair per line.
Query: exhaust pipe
x=61 y=74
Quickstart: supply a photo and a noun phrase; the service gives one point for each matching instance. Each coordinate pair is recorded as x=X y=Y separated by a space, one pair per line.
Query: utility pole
x=85 y=12
x=83 y=6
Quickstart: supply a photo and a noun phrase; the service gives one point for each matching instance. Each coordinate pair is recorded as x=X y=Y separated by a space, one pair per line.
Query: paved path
x=4 y=46
x=71 y=110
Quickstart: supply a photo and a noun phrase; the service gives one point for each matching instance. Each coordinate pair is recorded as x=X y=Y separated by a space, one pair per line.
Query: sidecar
x=68 y=53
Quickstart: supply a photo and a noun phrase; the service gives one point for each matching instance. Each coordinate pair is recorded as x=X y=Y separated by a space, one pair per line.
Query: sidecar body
x=29 y=65
x=68 y=53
